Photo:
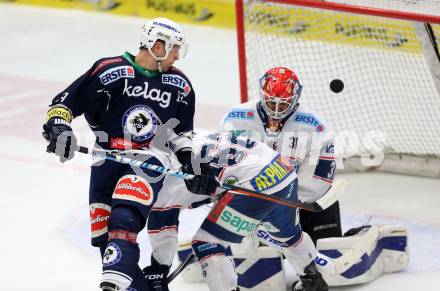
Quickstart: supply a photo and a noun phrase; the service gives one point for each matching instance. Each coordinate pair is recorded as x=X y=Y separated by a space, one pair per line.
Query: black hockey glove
x=204 y=183
x=156 y=276
x=58 y=133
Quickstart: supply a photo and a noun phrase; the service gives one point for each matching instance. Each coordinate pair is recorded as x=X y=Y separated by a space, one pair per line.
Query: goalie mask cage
x=386 y=53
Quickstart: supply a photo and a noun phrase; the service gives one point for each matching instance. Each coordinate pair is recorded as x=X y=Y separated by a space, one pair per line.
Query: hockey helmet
x=279 y=92
x=165 y=30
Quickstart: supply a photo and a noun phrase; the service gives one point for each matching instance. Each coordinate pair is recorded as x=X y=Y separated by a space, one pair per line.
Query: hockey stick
x=189 y=260
x=332 y=195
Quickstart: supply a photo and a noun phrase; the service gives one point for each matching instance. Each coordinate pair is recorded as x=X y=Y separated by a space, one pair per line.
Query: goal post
x=385 y=52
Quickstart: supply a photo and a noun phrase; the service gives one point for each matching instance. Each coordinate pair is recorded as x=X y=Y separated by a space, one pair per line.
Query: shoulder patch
x=241 y=114
x=309 y=119
x=106 y=62
x=116 y=73
x=176 y=81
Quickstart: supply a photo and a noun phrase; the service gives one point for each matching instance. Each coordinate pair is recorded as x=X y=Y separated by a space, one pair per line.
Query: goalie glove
x=58 y=133
x=204 y=183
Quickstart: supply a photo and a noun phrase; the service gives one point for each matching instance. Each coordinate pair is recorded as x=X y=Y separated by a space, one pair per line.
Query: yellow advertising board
x=338 y=28
x=220 y=13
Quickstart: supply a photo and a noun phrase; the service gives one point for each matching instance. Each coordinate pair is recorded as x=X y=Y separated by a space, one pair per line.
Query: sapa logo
x=116 y=73
x=236 y=222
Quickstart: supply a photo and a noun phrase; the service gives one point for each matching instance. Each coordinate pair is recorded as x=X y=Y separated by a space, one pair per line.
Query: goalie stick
x=332 y=195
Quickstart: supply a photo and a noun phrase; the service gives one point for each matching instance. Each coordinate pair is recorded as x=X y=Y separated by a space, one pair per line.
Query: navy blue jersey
x=118 y=96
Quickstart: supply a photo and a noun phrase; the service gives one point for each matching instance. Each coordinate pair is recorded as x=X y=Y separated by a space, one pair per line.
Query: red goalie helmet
x=279 y=92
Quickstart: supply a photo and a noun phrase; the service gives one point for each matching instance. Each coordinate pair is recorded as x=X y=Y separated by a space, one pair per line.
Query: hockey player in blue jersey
x=127 y=101
x=251 y=165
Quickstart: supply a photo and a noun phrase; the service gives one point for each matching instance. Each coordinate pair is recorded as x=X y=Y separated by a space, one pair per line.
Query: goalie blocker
x=362 y=256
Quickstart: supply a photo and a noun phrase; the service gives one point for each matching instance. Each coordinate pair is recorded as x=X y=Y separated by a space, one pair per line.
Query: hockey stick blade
x=338 y=188
x=189 y=260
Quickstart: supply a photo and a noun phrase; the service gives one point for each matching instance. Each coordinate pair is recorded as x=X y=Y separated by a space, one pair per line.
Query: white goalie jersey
x=305 y=138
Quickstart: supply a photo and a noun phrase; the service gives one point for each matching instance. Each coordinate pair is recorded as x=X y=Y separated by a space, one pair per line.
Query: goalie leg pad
x=363 y=257
x=260 y=270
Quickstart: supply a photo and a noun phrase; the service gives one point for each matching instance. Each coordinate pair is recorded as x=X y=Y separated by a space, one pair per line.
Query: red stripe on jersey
x=172 y=227
x=327 y=158
x=166 y=208
x=218 y=208
x=323 y=179
x=104 y=63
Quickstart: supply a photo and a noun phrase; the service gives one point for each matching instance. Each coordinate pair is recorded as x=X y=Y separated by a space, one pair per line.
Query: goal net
x=385 y=52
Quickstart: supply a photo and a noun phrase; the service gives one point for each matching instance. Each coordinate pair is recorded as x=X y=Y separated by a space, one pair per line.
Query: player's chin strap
x=159 y=66
x=337 y=189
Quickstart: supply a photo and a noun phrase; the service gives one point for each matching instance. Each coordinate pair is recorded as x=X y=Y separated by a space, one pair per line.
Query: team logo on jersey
x=140 y=122
x=330 y=148
x=176 y=81
x=116 y=73
x=241 y=114
x=231 y=180
x=112 y=255
x=310 y=119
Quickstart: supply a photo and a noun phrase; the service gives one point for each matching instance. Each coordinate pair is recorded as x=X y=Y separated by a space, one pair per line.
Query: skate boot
x=311 y=281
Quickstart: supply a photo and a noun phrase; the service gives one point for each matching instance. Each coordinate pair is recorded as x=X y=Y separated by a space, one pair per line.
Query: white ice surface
x=44 y=245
